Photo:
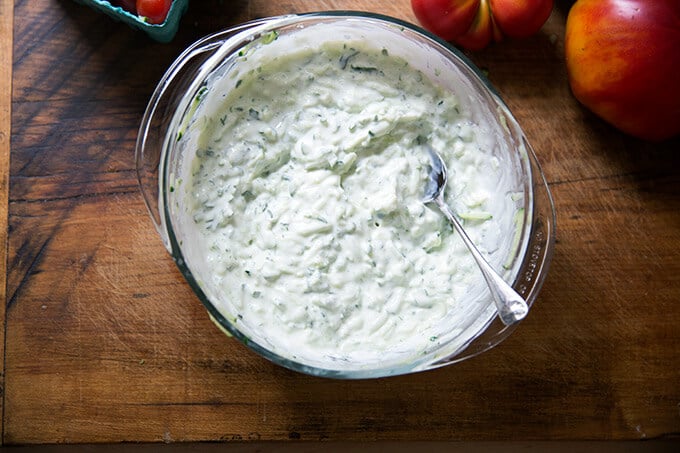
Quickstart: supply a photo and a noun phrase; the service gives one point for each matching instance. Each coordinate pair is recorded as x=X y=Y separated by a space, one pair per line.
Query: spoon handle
x=510 y=305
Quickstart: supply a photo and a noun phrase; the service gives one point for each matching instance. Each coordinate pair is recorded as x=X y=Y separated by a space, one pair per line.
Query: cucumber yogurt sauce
x=307 y=173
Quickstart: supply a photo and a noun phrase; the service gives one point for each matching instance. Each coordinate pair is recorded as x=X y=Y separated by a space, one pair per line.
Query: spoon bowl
x=511 y=307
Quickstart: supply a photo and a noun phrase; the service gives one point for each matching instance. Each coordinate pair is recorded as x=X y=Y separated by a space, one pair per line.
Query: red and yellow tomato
x=474 y=24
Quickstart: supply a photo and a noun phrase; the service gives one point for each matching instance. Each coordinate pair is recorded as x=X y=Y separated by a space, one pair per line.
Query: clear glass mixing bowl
x=159 y=155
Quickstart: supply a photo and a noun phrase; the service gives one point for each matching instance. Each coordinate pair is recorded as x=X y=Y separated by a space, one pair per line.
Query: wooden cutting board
x=105 y=342
x=6 y=21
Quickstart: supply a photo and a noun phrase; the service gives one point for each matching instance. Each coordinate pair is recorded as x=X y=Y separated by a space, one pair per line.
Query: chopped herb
x=363 y=68
x=254 y=114
x=345 y=58
x=312 y=217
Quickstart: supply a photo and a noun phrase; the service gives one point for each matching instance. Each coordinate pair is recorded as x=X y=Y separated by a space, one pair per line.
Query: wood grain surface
x=6 y=21
x=105 y=342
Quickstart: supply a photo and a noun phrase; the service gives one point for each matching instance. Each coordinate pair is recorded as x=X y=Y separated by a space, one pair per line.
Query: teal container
x=159 y=32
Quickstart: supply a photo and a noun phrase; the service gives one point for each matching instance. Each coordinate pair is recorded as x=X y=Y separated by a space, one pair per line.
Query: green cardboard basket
x=160 y=32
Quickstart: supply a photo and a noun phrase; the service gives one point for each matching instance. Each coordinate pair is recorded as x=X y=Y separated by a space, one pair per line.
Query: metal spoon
x=511 y=306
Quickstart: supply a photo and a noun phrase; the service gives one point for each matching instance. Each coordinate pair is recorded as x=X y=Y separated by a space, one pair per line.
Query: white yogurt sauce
x=305 y=199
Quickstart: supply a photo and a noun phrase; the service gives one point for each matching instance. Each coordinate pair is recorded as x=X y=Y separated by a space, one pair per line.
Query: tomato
x=520 y=18
x=474 y=24
x=155 y=11
x=623 y=61
x=447 y=19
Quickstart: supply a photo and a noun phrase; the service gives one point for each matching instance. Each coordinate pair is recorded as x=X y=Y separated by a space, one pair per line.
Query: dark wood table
x=104 y=342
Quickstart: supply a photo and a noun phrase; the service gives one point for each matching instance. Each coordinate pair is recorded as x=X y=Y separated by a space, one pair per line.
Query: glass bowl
x=162 y=154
